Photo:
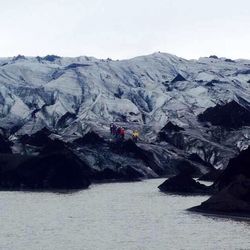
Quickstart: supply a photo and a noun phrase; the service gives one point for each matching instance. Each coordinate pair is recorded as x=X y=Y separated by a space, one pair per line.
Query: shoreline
x=233 y=215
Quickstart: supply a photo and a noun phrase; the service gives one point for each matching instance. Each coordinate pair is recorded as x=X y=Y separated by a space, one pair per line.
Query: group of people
x=119 y=132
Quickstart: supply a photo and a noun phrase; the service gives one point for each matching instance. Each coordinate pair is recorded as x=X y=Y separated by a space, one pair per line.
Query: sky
x=123 y=29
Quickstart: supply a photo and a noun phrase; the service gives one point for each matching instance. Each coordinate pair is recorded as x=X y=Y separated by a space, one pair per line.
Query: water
x=114 y=216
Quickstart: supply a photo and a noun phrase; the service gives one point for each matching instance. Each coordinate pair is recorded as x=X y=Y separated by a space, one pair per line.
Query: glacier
x=72 y=96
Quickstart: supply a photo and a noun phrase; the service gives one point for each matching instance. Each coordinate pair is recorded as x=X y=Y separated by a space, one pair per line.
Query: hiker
x=118 y=133
x=122 y=133
x=135 y=135
x=115 y=130
x=111 y=126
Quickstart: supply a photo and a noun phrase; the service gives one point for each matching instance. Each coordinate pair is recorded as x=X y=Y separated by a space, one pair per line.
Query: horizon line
x=122 y=59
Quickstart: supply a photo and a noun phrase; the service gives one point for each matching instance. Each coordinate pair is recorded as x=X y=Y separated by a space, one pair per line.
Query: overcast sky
x=125 y=28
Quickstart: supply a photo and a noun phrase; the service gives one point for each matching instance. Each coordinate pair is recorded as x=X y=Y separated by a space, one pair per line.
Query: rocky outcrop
x=232 y=200
x=91 y=138
x=55 y=167
x=214 y=57
x=53 y=171
x=233 y=189
x=5 y=146
x=196 y=158
x=170 y=127
x=236 y=167
x=212 y=176
x=187 y=168
x=48 y=149
x=51 y=58
x=131 y=173
x=230 y=115
x=178 y=78
x=40 y=138
x=183 y=184
x=127 y=173
x=53 y=146
x=130 y=149
x=172 y=134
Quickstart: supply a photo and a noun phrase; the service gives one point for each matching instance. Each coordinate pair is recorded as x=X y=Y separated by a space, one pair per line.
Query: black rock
x=65 y=120
x=126 y=173
x=51 y=58
x=233 y=189
x=40 y=138
x=178 y=78
x=212 y=175
x=76 y=65
x=212 y=83
x=184 y=184
x=196 y=158
x=230 y=60
x=240 y=165
x=5 y=146
x=230 y=115
x=170 y=127
x=243 y=72
x=53 y=171
x=131 y=173
x=213 y=57
x=187 y=168
x=91 y=138
x=19 y=57
x=53 y=146
x=172 y=134
x=106 y=174
x=130 y=149
x=232 y=200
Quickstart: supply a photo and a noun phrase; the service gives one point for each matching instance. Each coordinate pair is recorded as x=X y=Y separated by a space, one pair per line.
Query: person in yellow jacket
x=135 y=135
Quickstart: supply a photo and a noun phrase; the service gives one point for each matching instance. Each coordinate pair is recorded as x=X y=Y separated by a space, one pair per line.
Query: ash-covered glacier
x=75 y=96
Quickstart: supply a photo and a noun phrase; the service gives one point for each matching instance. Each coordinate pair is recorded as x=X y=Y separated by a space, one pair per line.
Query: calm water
x=114 y=217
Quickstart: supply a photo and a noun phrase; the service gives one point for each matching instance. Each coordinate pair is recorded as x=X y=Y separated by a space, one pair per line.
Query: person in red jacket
x=122 y=133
